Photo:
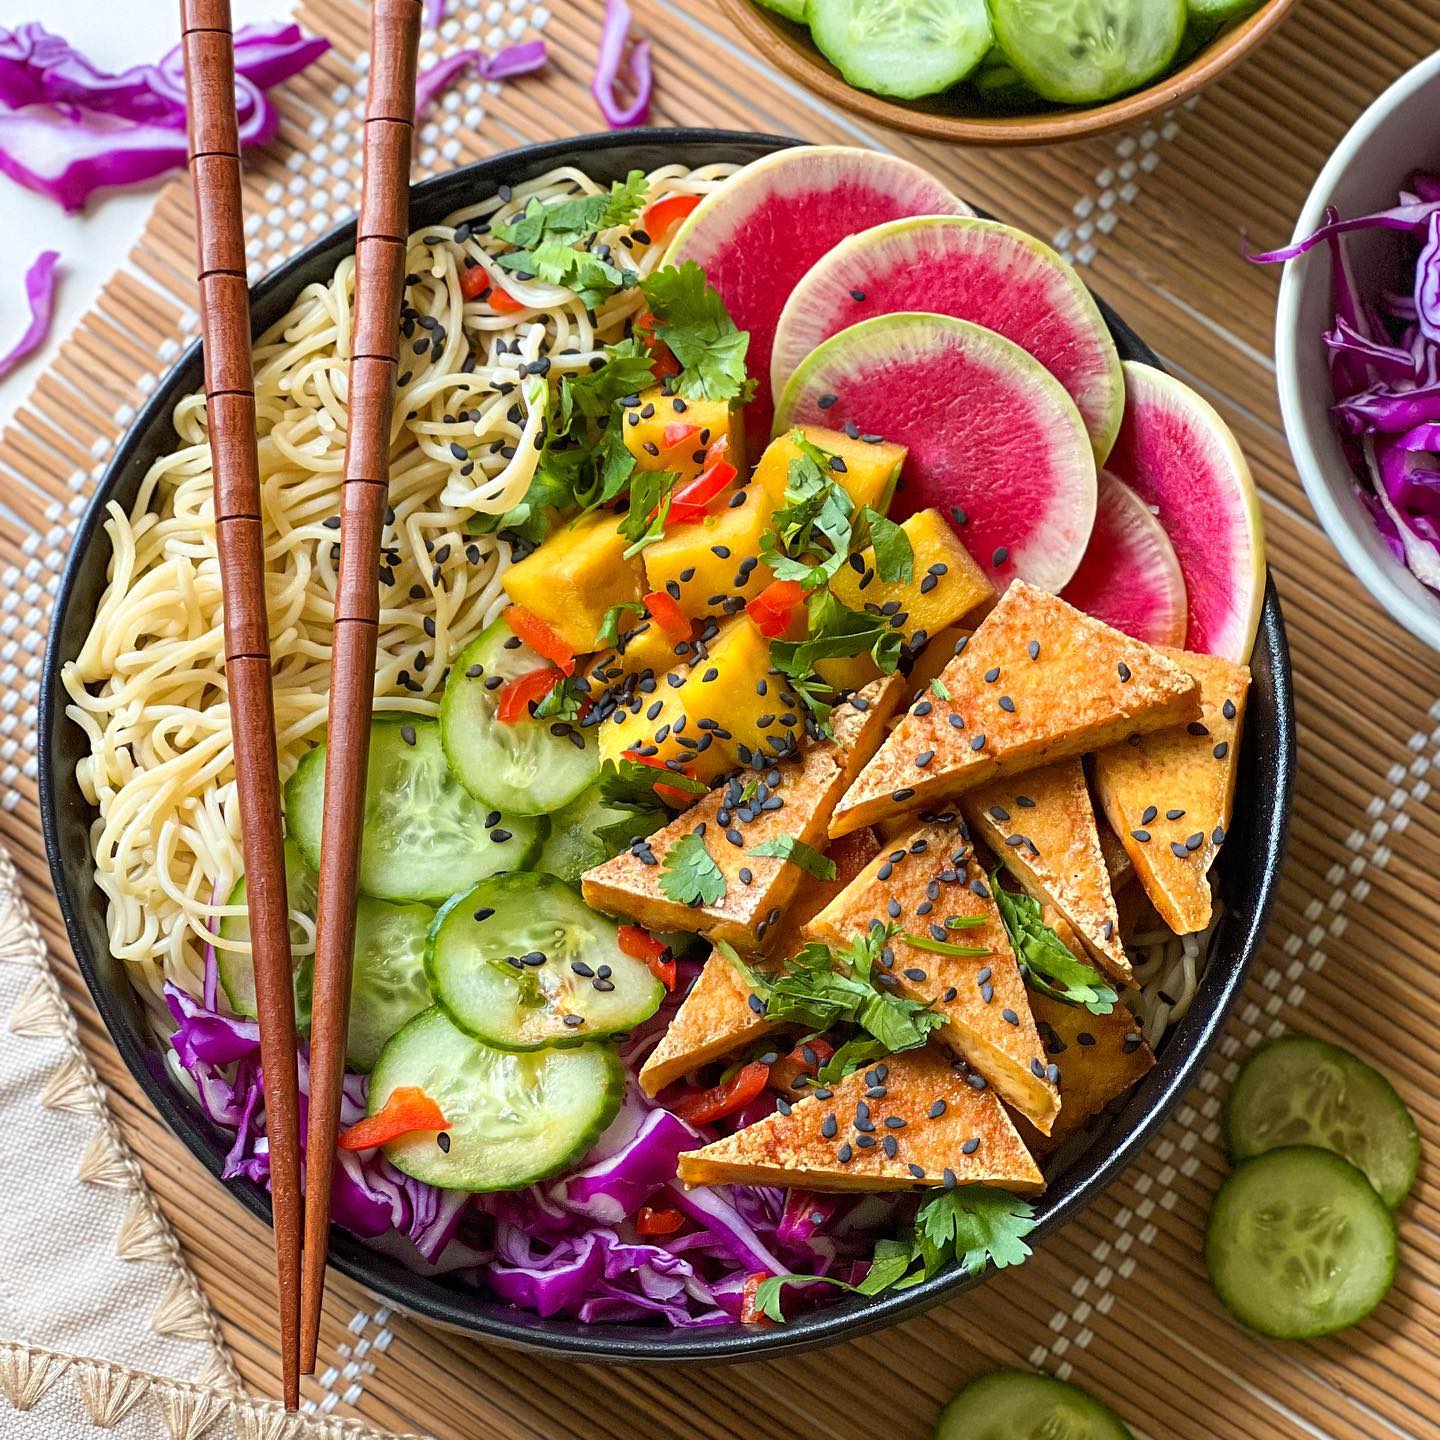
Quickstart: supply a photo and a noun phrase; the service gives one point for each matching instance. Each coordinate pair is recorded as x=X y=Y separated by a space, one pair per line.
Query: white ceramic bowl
x=1398 y=133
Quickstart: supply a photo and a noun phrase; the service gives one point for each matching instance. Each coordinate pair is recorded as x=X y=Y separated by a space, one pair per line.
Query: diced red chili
x=749 y=1308
x=658 y=1221
x=407 y=1110
x=773 y=609
x=642 y=945
x=690 y=502
x=475 y=284
x=676 y=433
x=805 y=1059
x=664 y=362
x=540 y=637
x=704 y=1107
x=525 y=690
x=665 y=611
x=663 y=218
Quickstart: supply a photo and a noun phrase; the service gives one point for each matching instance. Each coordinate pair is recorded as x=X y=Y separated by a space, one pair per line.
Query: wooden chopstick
x=230 y=404
x=380 y=243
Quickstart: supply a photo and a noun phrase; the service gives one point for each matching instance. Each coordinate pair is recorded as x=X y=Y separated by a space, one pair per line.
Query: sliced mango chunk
x=868 y=471
x=1169 y=797
x=575 y=577
x=945 y=587
x=945 y=1133
x=1038 y=681
x=664 y=725
x=706 y=564
x=755 y=713
x=693 y=426
x=644 y=649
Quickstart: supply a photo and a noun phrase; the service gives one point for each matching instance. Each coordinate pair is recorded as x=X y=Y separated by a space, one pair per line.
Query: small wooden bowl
x=939 y=118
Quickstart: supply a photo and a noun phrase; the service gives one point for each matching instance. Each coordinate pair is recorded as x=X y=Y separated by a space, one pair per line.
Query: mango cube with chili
x=707 y=421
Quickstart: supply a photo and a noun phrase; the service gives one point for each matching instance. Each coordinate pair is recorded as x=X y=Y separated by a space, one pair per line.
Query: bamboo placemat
x=1154 y=219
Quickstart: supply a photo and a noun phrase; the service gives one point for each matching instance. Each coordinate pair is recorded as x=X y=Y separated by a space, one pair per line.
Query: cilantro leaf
x=629 y=782
x=891 y=1260
x=894 y=555
x=572 y=219
x=618 y=835
x=565 y=702
x=556 y=262
x=834 y=631
x=812 y=531
x=613 y=624
x=690 y=875
x=1048 y=964
x=854 y=1054
x=976 y=1224
x=691 y=318
x=593 y=393
x=788 y=847
x=767 y=1292
x=650 y=494
x=939 y=689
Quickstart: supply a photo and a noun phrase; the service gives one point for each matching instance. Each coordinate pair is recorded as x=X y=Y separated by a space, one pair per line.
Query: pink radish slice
x=1181 y=459
x=758 y=233
x=978 y=270
x=1129 y=576
x=993 y=439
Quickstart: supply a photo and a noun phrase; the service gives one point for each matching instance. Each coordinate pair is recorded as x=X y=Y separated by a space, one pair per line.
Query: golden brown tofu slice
x=944 y=1131
x=715 y=1018
x=1042 y=827
x=757 y=887
x=859 y=721
x=1117 y=858
x=1037 y=682
x=919 y=885
x=1169 y=796
x=1100 y=1057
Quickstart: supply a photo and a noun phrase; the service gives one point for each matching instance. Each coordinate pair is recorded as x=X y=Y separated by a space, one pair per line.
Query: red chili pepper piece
x=789 y=1068
x=663 y=218
x=662 y=1221
x=540 y=637
x=476 y=281
x=665 y=611
x=706 y=1106
x=665 y=364
x=407 y=1110
x=676 y=434
x=749 y=1308
x=690 y=502
x=642 y=945
x=517 y=696
x=669 y=793
x=774 y=607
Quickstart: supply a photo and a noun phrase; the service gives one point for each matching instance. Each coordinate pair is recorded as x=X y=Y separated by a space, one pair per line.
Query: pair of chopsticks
x=230 y=401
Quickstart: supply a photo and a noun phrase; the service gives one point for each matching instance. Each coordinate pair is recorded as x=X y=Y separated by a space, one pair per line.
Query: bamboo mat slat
x=1156 y=219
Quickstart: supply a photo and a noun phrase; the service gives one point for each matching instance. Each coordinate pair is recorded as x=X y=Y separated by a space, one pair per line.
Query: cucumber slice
x=1301 y=1091
x=502 y=959
x=525 y=768
x=513 y=1119
x=573 y=847
x=1079 y=52
x=235 y=968
x=790 y=9
x=387 y=982
x=424 y=836
x=907 y=48
x=1299 y=1244
x=1208 y=17
x=1021 y=1405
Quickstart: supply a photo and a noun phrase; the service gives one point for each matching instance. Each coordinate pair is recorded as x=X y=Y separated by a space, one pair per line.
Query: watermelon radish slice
x=994 y=440
x=757 y=234
x=1179 y=456
x=1129 y=577
x=977 y=270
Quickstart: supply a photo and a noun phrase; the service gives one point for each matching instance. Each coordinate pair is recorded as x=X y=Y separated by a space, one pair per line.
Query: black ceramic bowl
x=1248 y=870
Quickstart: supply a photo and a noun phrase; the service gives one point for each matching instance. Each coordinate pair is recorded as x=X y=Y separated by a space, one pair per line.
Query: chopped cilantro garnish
x=1048 y=964
x=572 y=219
x=689 y=874
x=691 y=318
x=613 y=625
x=797 y=852
x=939 y=689
x=629 y=782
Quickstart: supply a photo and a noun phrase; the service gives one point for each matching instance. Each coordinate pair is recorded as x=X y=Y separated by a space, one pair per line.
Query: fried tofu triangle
x=757 y=887
x=1037 y=682
x=1042 y=826
x=1169 y=796
x=910 y=1122
x=920 y=884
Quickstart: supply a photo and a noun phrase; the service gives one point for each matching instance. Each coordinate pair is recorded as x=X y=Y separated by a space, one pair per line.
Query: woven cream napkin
x=102 y=1326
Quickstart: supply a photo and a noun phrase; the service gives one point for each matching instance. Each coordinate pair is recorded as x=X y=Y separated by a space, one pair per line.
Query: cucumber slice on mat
x=907 y=48
x=1079 y=52
x=424 y=836
x=521 y=961
x=1299 y=1244
x=1022 y=1405
x=513 y=1119
x=387 y=984
x=523 y=768
x=1301 y=1091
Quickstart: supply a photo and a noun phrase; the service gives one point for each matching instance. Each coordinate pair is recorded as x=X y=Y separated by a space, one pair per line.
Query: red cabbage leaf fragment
x=68 y=128
x=40 y=292
x=513 y=60
x=617 y=50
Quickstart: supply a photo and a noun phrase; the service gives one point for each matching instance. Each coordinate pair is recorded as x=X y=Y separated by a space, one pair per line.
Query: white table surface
x=114 y=34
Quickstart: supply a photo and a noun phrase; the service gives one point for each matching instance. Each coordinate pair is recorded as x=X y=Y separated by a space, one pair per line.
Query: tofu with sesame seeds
x=1037 y=682
x=792 y=797
x=1100 y=1057
x=911 y=1122
x=1042 y=827
x=1169 y=796
x=919 y=885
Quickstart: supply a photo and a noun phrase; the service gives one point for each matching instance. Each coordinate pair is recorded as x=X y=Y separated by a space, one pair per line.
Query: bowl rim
x=1177 y=1067
x=770 y=35
x=1379 y=575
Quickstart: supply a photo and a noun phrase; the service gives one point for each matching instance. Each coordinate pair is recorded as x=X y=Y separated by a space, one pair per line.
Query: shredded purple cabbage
x=566 y=1247
x=68 y=128
x=40 y=294
x=617 y=50
x=502 y=65
x=1385 y=368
